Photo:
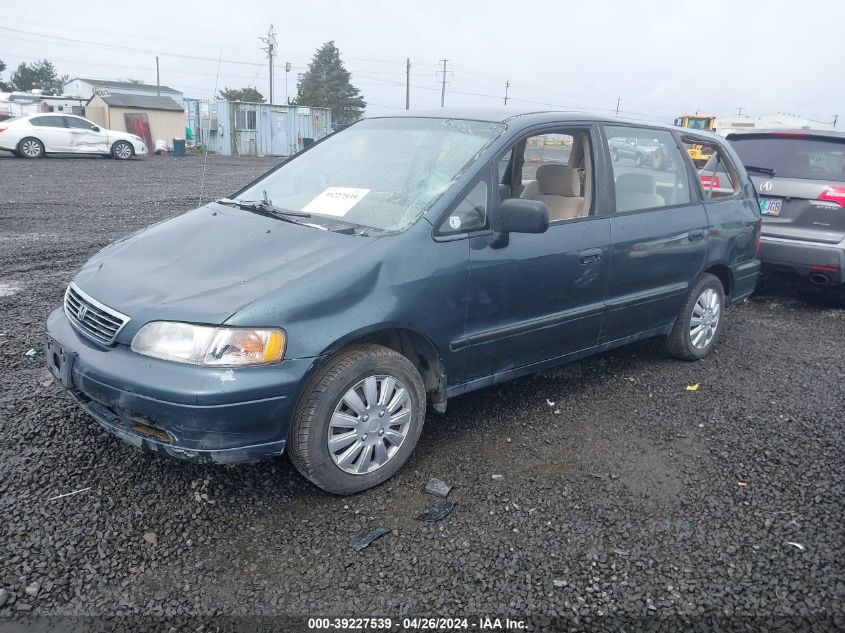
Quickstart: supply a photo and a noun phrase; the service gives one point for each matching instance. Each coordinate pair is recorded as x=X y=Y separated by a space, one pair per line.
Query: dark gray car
x=396 y=264
x=800 y=179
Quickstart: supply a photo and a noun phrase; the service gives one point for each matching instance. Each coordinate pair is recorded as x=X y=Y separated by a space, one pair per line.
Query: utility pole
x=270 y=41
x=443 y=87
x=739 y=111
x=407 y=83
x=507 y=85
x=618 y=101
x=158 y=80
x=287 y=70
x=835 y=119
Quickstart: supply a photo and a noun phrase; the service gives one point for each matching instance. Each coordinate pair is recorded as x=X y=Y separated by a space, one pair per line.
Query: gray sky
x=662 y=58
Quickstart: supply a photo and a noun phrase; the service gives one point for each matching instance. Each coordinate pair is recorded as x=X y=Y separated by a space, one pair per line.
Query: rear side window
x=718 y=177
x=649 y=171
x=48 y=121
x=794 y=156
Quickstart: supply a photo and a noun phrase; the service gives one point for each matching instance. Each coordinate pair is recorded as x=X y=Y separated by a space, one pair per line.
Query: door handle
x=590 y=256
x=695 y=236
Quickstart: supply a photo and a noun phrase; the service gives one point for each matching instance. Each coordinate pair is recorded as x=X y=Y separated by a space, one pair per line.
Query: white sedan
x=35 y=135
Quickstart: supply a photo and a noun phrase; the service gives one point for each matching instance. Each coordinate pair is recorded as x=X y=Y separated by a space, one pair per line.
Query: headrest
x=558 y=180
x=636 y=183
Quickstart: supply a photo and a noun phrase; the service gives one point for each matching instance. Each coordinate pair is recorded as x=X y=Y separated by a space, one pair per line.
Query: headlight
x=209 y=345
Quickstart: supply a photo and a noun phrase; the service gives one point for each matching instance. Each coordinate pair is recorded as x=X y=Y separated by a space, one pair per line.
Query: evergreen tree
x=249 y=94
x=326 y=85
x=4 y=87
x=39 y=75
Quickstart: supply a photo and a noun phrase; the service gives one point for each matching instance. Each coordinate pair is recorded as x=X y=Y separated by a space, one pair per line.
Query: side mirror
x=517 y=215
x=95 y=128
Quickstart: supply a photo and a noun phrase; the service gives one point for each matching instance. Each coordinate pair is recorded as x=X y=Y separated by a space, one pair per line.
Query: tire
x=122 y=150
x=705 y=299
x=31 y=147
x=324 y=399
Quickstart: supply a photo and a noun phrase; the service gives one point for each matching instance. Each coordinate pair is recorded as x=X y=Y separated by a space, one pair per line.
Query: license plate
x=770 y=206
x=59 y=361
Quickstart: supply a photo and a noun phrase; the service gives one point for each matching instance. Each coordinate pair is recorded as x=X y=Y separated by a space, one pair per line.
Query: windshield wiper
x=265 y=208
x=766 y=171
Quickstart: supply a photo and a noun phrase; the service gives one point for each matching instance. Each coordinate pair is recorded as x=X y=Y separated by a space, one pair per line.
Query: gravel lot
x=602 y=492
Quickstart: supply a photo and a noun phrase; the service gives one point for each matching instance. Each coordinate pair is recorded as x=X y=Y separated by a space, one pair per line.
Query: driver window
x=470 y=214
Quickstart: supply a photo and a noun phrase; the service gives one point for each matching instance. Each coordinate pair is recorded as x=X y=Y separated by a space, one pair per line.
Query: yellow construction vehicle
x=697 y=122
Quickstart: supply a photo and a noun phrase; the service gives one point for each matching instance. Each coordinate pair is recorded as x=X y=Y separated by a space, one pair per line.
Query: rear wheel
x=358 y=419
x=122 y=150
x=31 y=148
x=699 y=322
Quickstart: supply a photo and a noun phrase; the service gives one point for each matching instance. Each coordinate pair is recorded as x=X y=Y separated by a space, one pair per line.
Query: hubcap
x=123 y=150
x=369 y=424
x=705 y=318
x=31 y=148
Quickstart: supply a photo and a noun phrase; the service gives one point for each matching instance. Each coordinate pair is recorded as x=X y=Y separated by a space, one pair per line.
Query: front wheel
x=122 y=150
x=699 y=322
x=358 y=419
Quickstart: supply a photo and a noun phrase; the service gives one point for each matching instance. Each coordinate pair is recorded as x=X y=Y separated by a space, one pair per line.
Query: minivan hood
x=205 y=265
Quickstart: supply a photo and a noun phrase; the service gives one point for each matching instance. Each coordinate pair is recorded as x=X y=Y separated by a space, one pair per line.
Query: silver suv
x=800 y=178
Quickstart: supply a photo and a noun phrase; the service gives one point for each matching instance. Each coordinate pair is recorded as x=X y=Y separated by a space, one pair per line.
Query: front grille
x=90 y=317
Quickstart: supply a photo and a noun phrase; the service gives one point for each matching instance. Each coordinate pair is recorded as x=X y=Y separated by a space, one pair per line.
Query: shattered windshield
x=378 y=173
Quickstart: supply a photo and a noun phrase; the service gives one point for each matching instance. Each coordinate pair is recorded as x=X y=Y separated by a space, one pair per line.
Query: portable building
x=238 y=128
x=165 y=119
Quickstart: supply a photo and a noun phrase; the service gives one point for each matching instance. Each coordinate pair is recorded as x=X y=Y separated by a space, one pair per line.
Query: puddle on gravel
x=9 y=288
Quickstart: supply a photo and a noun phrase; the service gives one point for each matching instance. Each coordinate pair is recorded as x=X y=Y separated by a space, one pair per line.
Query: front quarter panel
x=406 y=281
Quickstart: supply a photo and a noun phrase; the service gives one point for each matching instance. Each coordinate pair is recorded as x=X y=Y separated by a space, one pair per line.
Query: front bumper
x=804 y=258
x=185 y=411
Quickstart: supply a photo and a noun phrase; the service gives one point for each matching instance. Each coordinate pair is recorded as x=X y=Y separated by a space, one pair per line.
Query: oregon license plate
x=770 y=206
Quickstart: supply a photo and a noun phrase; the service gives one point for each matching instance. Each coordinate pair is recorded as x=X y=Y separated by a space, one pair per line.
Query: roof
x=526 y=117
x=125 y=85
x=755 y=131
x=142 y=102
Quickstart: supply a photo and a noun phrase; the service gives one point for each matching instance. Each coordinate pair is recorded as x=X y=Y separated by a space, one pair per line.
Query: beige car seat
x=558 y=186
x=637 y=191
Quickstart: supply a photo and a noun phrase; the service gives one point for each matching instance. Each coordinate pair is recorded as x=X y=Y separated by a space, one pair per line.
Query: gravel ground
x=601 y=493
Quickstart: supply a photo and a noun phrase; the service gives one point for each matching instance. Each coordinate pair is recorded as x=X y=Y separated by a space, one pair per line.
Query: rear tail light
x=2 y=129
x=833 y=194
x=709 y=181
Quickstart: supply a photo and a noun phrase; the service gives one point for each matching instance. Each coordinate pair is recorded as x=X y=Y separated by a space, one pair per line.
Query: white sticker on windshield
x=336 y=201
x=454 y=222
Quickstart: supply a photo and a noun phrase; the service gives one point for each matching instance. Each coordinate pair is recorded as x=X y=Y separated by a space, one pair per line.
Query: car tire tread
x=678 y=341
x=305 y=447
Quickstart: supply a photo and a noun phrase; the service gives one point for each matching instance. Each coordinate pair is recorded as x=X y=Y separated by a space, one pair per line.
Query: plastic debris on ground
x=796 y=545
x=31 y=353
x=363 y=540
x=438 y=488
x=438 y=512
x=69 y=494
x=742 y=484
x=692 y=387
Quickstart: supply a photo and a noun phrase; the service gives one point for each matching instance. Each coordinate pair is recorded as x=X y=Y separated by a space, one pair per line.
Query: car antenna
x=208 y=129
